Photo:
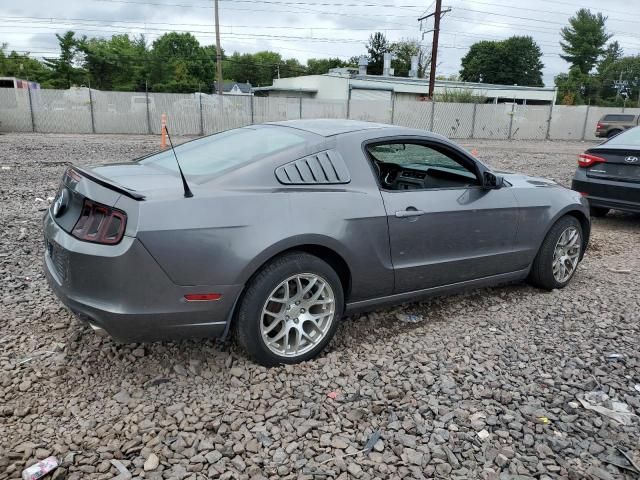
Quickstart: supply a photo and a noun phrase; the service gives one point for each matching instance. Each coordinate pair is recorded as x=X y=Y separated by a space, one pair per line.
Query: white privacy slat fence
x=91 y=111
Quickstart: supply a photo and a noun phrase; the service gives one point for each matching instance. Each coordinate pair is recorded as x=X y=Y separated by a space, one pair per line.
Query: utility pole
x=218 y=49
x=437 y=14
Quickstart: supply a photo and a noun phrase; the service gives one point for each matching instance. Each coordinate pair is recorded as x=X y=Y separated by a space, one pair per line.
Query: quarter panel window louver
x=323 y=168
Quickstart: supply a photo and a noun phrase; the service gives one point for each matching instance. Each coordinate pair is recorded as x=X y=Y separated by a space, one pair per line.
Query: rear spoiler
x=107 y=183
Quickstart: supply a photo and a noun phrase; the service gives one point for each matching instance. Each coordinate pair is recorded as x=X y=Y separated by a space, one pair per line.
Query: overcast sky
x=316 y=28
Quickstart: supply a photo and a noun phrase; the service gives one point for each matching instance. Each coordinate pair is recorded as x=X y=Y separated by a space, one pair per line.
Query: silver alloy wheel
x=566 y=254
x=297 y=315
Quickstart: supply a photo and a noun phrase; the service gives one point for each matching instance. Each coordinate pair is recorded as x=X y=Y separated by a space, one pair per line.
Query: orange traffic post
x=163 y=131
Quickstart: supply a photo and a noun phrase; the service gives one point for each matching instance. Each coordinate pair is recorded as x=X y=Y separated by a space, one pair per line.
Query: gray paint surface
x=240 y=219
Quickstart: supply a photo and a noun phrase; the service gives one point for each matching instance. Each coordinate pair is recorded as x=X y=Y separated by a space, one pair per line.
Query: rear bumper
x=124 y=291
x=608 y=193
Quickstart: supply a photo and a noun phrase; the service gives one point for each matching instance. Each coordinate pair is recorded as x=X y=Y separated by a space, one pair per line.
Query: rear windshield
x=628 y=137
x=619 y=118
x=215 y=153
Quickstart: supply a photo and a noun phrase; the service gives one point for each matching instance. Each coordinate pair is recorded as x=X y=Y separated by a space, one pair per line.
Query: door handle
x=409 y=212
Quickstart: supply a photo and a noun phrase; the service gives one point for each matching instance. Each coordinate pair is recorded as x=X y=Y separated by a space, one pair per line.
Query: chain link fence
x=82 y=110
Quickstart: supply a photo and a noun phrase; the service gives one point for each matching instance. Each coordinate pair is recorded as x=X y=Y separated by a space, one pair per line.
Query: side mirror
x=491 y=181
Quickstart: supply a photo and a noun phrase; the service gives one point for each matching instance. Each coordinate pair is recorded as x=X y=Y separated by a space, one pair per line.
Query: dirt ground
x=486 y=385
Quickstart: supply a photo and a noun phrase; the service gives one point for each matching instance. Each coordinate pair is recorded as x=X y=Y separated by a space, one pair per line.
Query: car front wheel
x=559 y=255
x=290 y=310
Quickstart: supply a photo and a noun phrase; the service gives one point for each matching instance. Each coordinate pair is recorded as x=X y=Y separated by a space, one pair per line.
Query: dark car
x=608 y=175
x=280 y=229
x=614 y=123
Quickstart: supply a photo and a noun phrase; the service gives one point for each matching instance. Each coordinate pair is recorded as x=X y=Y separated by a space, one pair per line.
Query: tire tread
x=541 y=274
x=247 y=337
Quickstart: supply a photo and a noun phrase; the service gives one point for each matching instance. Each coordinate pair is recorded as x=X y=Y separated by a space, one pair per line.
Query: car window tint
x=628 y=137
x=215 y=153
x=619 y=118
x=413 y=155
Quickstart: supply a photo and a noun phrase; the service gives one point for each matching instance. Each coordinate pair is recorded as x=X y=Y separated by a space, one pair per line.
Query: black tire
x=258 y=290
x=613 y=133
x=541 y=274
x=598 y=211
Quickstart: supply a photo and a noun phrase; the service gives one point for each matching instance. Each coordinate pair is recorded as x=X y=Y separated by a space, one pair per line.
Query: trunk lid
x=622 y=164
x=140 y=181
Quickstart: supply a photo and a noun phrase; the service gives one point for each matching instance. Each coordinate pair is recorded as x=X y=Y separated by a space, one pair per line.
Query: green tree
x=378 y=45
x=21 y=65
x=118 y=63
x=291 y=67
x=66 y=68
x=576 y=88
x=515 y=60
x=627 y=68
x=260 y=68
x=320 y=66
x=402 y=52
x=584 y=40
x=177 y=63
x=612 y=54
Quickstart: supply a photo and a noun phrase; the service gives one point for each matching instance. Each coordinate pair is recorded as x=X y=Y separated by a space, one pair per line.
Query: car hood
x=146 y=180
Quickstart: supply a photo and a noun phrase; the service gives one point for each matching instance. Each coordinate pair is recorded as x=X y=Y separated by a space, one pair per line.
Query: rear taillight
x=100 y=224
x=586 y=160
x=599 y=126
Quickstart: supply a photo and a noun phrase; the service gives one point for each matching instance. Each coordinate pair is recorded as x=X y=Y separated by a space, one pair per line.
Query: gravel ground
x=485 y=386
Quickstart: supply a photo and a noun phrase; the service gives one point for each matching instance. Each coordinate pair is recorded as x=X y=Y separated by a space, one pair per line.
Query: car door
x=443 y=232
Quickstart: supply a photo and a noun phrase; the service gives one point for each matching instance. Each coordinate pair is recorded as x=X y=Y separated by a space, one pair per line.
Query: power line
x=304 y=4
x=552 y=12
x=143 y=24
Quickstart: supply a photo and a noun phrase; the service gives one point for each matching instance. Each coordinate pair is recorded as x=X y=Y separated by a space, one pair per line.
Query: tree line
x=599 y=72
x=177 y=62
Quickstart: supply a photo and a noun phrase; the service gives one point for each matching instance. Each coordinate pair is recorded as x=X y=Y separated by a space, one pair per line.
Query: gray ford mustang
x=278 y=230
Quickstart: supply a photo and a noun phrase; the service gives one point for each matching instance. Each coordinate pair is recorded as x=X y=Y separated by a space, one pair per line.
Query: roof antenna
x=187 y=191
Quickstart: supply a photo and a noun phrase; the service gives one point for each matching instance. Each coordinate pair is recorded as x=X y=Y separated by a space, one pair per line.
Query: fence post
x=473 y=120
x=146 y=95
x=93 y=122
x=33 y=123
x=433 y=113
x=513 y=112
x=584 y=125
x=393 y=106
x=349 y=103
x=300 y=107
x=201 y=117
x=251 y=106
x=549 y=122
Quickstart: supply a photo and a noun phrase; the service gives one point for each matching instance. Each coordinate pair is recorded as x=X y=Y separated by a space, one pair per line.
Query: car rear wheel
x=559 y=255
x=290 y=310
x=598 y=211
x=613 y=133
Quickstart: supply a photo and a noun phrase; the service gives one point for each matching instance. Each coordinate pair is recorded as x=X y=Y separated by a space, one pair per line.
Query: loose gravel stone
x=461 y=394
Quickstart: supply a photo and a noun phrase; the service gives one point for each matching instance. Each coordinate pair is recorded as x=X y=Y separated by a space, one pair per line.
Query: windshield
x=629 y=137
x=215 y=153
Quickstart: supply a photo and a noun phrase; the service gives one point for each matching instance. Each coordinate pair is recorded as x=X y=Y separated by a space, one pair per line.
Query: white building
x=341 y=84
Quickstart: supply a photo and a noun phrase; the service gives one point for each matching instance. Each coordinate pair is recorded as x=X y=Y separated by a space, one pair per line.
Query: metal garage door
x=370 y=105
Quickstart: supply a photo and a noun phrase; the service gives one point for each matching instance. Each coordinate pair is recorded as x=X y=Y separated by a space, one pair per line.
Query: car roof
x=328 y=127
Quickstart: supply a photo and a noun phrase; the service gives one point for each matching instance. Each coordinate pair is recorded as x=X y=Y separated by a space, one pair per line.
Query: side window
x=619 y=118
x=411 y=166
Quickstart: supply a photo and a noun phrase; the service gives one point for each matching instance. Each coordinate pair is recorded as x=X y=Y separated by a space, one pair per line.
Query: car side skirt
x=416 y=295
